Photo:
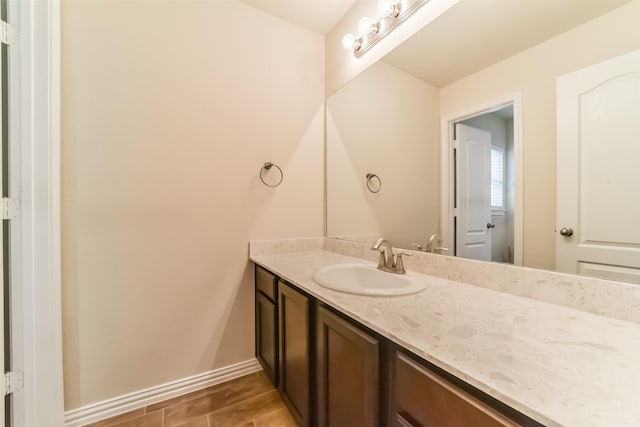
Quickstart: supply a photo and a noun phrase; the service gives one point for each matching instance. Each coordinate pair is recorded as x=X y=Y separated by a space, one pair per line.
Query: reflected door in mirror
x=598 y=170
x=473 y=187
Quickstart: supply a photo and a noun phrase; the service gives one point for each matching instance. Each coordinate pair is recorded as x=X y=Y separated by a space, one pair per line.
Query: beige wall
x=534 y=72
x=342 y=66
x=169 y=109
x=384 y=122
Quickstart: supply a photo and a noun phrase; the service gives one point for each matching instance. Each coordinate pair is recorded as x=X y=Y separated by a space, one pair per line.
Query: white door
x=5 y=272
x=3 y=244
x=12 y=405
x=473 y=193
x=598 y=206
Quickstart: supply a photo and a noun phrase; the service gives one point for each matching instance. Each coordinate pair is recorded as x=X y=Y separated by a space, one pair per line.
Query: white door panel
x=611 y=272
x=609 y=126
x=473 y=170
x=598 y=159
x=476 y=250
x=606 y=254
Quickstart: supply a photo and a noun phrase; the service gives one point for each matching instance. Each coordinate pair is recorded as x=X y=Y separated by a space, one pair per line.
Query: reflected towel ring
x=370 y=178
x=267 y=166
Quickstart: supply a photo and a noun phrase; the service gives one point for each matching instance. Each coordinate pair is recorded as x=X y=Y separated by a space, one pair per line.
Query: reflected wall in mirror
x=390 y=121
x=384 y=122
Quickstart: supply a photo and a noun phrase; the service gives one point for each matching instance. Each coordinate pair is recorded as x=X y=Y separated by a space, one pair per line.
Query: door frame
x=446 y=170
x=41 y=313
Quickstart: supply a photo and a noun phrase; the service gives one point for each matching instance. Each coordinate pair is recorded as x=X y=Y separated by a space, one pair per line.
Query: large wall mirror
x=504 y=131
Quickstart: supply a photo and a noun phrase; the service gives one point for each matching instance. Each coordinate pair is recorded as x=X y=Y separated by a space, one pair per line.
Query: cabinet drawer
x=423 y=398
x=266 y=283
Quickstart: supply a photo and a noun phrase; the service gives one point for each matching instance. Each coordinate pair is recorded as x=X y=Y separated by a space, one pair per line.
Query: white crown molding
x=138 y=399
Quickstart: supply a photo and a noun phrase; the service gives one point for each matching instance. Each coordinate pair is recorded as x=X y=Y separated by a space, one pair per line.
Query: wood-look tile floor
x=249 y=401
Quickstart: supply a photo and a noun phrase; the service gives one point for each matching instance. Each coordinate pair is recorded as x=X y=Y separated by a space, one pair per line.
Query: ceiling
x=474 y=34
x=319 y=16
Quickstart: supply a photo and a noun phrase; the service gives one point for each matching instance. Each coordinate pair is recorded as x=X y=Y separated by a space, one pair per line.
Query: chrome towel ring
x=267 y=167
x=371 y=183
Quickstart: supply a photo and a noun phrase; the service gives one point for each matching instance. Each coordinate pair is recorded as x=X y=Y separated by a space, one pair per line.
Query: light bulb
x=350 y=42
x=366 y=26
x=387 y=8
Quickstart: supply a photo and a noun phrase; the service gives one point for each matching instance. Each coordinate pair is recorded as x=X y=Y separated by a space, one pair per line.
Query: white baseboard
x=138 y=399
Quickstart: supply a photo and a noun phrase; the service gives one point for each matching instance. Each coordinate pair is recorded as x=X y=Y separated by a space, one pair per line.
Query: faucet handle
x=399 y=263
x=418 y=246
x=440 y=249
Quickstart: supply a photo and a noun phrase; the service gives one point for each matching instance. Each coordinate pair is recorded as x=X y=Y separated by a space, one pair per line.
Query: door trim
x=41 y=253
x=447 y=180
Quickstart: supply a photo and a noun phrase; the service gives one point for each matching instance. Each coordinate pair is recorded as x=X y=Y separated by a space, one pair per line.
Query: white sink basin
x=363 y=279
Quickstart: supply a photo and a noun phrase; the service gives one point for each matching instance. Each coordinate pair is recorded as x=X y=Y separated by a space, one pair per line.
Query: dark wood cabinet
x=348 y=388
x=295 y=352
x=267 y=323
x=422 y=398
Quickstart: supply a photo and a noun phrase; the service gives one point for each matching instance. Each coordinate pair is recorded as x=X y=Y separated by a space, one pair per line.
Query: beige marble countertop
x=559 y=366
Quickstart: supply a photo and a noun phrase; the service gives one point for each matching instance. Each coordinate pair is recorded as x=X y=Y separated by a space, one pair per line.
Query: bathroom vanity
x=333 y=371
x=451 y=355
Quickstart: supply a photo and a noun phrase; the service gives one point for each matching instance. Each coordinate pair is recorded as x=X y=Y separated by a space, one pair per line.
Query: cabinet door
x=295 y=360
x=267 y=336
x=348 y=387
x=423 y=398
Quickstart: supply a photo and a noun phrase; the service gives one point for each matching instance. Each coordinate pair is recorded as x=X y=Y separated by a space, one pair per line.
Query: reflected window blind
x=497 y=178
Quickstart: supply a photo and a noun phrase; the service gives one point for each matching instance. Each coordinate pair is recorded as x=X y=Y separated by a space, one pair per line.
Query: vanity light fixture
x=391 y=13
x=388 y=8
x=351 y=42
x=367 y=25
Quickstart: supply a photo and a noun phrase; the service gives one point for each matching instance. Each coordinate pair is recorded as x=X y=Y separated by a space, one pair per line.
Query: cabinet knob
x=489 y=225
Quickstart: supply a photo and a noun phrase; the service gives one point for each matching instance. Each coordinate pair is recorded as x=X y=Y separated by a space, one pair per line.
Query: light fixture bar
x=399 y=11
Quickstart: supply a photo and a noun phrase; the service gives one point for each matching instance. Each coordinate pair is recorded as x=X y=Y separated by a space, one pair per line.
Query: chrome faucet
x=432 y=247
x=389 y=262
